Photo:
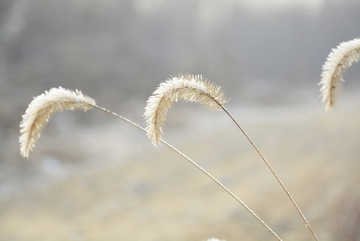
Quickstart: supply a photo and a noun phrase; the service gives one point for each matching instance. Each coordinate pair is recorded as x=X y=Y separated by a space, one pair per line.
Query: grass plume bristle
x=42 y=107
x=191 y=88
x=338 y=61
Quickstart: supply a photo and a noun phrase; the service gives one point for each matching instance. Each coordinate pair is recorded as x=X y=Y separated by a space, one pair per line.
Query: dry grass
x=338 y=61
x=193 y=89
x=41 y=108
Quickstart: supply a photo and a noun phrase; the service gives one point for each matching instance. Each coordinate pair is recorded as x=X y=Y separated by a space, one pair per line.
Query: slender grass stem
x=272 y=170
x=201 y=169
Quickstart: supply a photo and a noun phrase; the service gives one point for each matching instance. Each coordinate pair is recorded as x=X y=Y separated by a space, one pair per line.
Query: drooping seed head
x=40 y=110
x=191 y=88
x=338 y=61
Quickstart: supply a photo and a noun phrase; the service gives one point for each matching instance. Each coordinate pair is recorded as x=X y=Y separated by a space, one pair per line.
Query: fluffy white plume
x=337 y=62
x=185 y=87
x=40 y=110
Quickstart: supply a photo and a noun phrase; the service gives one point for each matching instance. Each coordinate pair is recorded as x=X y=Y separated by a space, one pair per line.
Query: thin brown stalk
x=273 y=172
x=192 y=88
x=59 y=99
x=200 y=168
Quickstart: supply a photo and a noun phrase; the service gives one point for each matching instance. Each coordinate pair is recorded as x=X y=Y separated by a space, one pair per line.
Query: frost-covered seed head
x=338 y=61
x=40 y=110
x=191 y=88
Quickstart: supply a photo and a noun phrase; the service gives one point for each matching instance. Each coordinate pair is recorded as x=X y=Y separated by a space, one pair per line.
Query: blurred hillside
x=264 y=57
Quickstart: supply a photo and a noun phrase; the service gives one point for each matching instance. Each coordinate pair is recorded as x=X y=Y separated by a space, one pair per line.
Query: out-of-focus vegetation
x=118 y=52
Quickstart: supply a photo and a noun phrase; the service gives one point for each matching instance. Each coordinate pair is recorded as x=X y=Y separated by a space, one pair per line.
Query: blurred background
x=93 y=177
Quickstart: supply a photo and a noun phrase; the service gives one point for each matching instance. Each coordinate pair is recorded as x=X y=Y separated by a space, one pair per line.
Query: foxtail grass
x=190 y=88
x=59 y=99
x=40 y=110
x=338 y=61
x=194 y=88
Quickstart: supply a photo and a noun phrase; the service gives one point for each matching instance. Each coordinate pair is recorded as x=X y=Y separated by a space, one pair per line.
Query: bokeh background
x=94 y=177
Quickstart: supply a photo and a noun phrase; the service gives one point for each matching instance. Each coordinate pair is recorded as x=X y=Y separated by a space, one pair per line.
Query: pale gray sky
x=255 y=5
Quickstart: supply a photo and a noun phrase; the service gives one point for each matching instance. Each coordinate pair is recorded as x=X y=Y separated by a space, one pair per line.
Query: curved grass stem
x=273 y=172
x=200 y=168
